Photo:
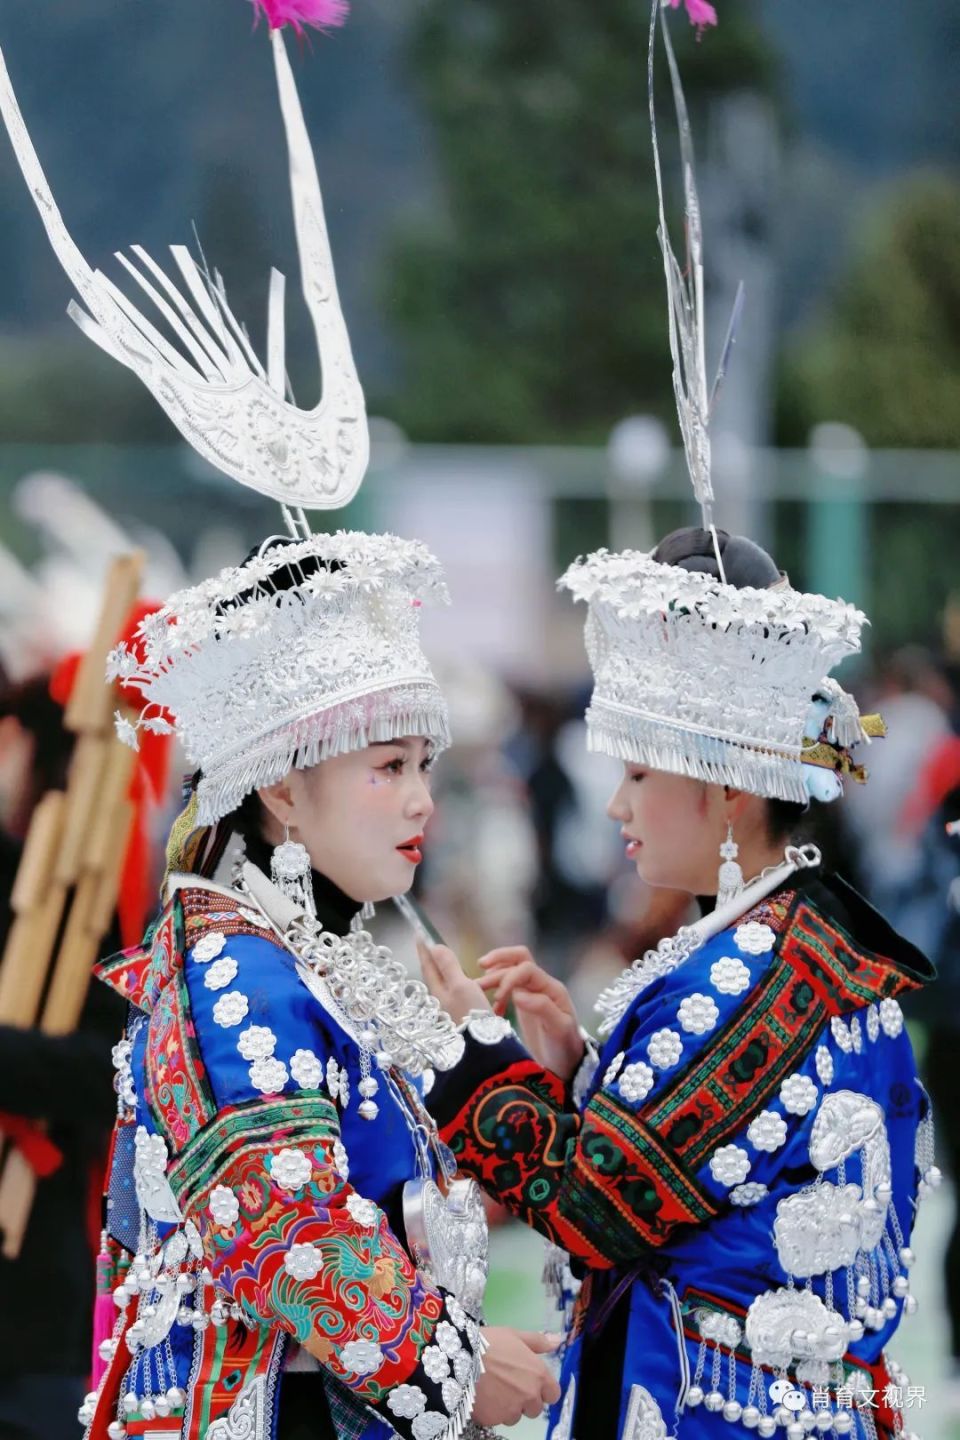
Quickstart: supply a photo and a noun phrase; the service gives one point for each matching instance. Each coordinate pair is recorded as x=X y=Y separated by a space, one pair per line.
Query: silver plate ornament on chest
x=447 y=1236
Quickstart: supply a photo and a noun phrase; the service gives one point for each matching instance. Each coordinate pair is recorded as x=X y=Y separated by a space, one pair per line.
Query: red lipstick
x=411 y=849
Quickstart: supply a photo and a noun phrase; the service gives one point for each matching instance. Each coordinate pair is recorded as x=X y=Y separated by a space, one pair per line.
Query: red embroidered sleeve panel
x=596 y=1184
x=291 y=1242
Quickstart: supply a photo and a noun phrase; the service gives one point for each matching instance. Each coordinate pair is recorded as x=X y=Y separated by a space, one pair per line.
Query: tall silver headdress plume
x=230 y=406
x=695 y=396
x=309 y=649
x=692 y=675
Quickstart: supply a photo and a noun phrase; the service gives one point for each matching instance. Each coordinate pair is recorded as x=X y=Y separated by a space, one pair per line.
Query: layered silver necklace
x=389 y=1012
x=615 y=1001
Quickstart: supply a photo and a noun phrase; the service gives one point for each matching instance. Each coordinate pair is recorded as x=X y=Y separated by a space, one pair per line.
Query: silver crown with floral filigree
x=260 y=681
x=700 y=678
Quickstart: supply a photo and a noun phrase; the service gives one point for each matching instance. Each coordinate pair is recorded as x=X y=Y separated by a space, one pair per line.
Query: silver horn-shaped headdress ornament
x=231 y=408
x=310 y=648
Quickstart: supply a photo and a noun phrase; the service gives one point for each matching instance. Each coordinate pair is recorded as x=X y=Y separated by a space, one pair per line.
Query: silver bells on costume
x=292 y=873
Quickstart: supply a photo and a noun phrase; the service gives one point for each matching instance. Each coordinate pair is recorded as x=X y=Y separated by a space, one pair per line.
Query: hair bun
x=745 y=564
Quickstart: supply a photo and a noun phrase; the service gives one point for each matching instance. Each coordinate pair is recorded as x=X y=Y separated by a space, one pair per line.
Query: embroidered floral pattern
x=798 y=1094
x=824 y=1062
x=306 y=1069
x=224 y=1206
x=300 y=1259
x=291 y=1170
x=636 y=1082
x=698 y=1014
x=767 y=1132
x=268 y=1076
x=729 y=976
x=257 y=1042
x=729 y=1165
x=220 y=973
x=177 y=1089
x=664 y=1049
x=208 y=947
x=754 y=938
x=231 y=1008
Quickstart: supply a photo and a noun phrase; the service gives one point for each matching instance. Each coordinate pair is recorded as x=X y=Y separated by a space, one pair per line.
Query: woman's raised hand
x=443 y=977
x=545 y=1013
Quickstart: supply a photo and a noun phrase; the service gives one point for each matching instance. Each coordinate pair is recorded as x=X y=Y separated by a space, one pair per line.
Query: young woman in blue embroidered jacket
x=734 y=1176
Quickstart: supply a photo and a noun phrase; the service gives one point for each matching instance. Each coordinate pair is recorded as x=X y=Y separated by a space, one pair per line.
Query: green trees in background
x=529 y=304
x=886 y=356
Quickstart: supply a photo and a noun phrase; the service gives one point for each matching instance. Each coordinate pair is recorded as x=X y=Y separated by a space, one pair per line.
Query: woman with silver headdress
x=288 y=1249
x=730 y=1179
x=290 y=1228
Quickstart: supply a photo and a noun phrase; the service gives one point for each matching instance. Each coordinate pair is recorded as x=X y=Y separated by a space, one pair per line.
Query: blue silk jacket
x=735 y=1185
x=276 y=1198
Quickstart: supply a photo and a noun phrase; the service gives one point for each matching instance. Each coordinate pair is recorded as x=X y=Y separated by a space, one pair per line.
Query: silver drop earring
x=730 y=876
x=291 y=872
x=366 y=912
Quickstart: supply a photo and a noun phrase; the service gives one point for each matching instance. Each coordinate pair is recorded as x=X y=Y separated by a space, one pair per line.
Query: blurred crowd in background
x=489 y=188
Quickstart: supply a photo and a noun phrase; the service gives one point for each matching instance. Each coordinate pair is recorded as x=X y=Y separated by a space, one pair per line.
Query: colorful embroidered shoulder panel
x=845 y=975
x=177 y=1089
x=140 y=973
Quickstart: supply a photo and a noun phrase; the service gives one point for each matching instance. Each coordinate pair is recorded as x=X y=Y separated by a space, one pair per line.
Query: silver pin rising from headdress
x=694 y=395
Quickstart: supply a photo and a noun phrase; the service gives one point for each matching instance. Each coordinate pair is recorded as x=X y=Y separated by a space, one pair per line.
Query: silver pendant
x=448 y=1239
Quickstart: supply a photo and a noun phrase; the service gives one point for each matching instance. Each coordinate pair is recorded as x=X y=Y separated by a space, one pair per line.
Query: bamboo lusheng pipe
x=77 y=840
x=37 y=904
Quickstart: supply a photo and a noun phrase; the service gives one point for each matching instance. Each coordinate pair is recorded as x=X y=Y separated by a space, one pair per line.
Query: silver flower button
x=208 y=947
x=798 y=1094
x=636 y=1082
x=730 y=1165
x=664 y=1049
x=754 y=938
x=698 y=1014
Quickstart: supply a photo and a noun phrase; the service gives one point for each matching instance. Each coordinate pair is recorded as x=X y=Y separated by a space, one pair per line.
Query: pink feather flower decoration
x=700 y=12
x=320 y=14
